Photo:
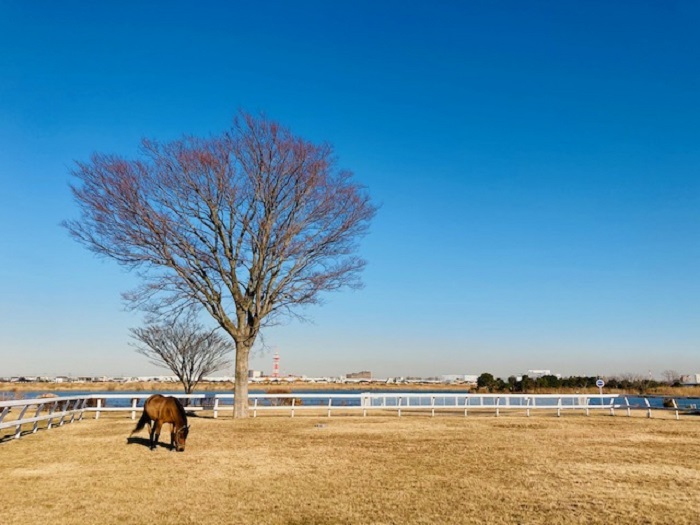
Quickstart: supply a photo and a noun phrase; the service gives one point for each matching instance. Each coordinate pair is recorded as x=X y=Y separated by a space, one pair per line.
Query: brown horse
x=160 y=410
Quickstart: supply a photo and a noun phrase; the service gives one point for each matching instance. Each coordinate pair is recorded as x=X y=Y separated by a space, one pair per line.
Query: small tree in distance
x=184 y=347
x=671 y=377
x=487 y=381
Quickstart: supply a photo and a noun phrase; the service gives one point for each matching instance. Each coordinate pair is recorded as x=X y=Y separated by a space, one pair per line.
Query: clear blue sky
x=537 y=166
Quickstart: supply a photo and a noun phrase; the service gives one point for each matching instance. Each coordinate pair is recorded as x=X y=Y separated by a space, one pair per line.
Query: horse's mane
x=181 y=410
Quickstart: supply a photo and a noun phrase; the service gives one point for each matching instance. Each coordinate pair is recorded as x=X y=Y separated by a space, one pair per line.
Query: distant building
x=219 y=379
x=254 y=374
x=690 y=379
x=534 y=374
x=459 y=378
x=365 y=374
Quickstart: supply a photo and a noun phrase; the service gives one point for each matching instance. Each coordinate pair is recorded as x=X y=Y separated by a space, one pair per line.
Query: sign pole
x=600 y=384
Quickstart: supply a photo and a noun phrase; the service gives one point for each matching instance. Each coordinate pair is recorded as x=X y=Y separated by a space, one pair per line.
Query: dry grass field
x=153 y=386
x=18 y=390
x=354 y=470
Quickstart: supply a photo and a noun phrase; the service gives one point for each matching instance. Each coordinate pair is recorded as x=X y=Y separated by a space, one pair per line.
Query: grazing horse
x=160 y=410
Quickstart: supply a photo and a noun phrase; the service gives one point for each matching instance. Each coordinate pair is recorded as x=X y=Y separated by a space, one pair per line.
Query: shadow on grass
x=9 y=437
x=145 y=442
x=199 y=415
x=12 y=436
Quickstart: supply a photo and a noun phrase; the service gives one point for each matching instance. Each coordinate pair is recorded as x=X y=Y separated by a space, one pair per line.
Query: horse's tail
x=142 y=422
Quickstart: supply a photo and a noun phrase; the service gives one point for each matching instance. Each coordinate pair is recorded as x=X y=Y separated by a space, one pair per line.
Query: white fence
x=429 y=402
x=57 y=411
x=450 y=403
x=136 y=402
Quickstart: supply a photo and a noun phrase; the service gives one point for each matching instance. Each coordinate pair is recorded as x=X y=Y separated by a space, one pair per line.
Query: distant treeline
x=528 y=384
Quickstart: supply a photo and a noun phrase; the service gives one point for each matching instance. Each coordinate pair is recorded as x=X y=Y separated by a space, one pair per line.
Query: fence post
x=399 y=405
x=466 y=403
x=646 y=401
x=63 y=413
x=675 y=405
x=36 y=423
x=5 y=411
x=82 y=408
x=66 y=409
x=216 y=407
x=75 y=407
x=18 y=432
x=498 y=402
x=330 y=402
x=559 y=407
x=527 y=405
x=255 y=407
x=49 y=423
x=432 y=405
x=99 y=405
x=133 y=407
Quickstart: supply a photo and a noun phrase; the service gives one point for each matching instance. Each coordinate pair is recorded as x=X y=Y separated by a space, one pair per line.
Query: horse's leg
x=172 y=436
x=151 y=436
x=155 y=434
x=158 y=426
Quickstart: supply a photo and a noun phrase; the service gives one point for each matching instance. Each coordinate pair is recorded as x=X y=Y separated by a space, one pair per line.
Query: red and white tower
x=276 y=365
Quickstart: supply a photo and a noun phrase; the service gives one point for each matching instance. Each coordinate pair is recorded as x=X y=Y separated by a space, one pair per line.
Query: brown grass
x=685 y=391
x=354 y=470
x=8 y=390
x=221 y=386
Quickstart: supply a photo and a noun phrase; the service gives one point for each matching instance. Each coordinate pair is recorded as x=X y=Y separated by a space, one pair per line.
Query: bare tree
x=185 y=347
x=251 y=225
x=671 y=377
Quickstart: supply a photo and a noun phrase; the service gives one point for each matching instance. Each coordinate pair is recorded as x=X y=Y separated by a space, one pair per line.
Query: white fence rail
x=54 y=410
x=422 y=402
x=136 y=402
x=57 y=411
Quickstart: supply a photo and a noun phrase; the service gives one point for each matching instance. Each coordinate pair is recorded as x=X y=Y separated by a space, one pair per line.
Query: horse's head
x=181 y=438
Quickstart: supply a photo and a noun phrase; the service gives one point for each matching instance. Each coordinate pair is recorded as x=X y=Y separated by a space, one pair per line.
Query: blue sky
x=536 y=164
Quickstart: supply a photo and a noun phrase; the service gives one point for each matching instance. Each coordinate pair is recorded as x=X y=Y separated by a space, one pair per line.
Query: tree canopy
x=249 y=225
x=184 y=347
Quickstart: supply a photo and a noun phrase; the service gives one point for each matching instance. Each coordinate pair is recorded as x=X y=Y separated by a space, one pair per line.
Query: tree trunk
x=240 y=388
